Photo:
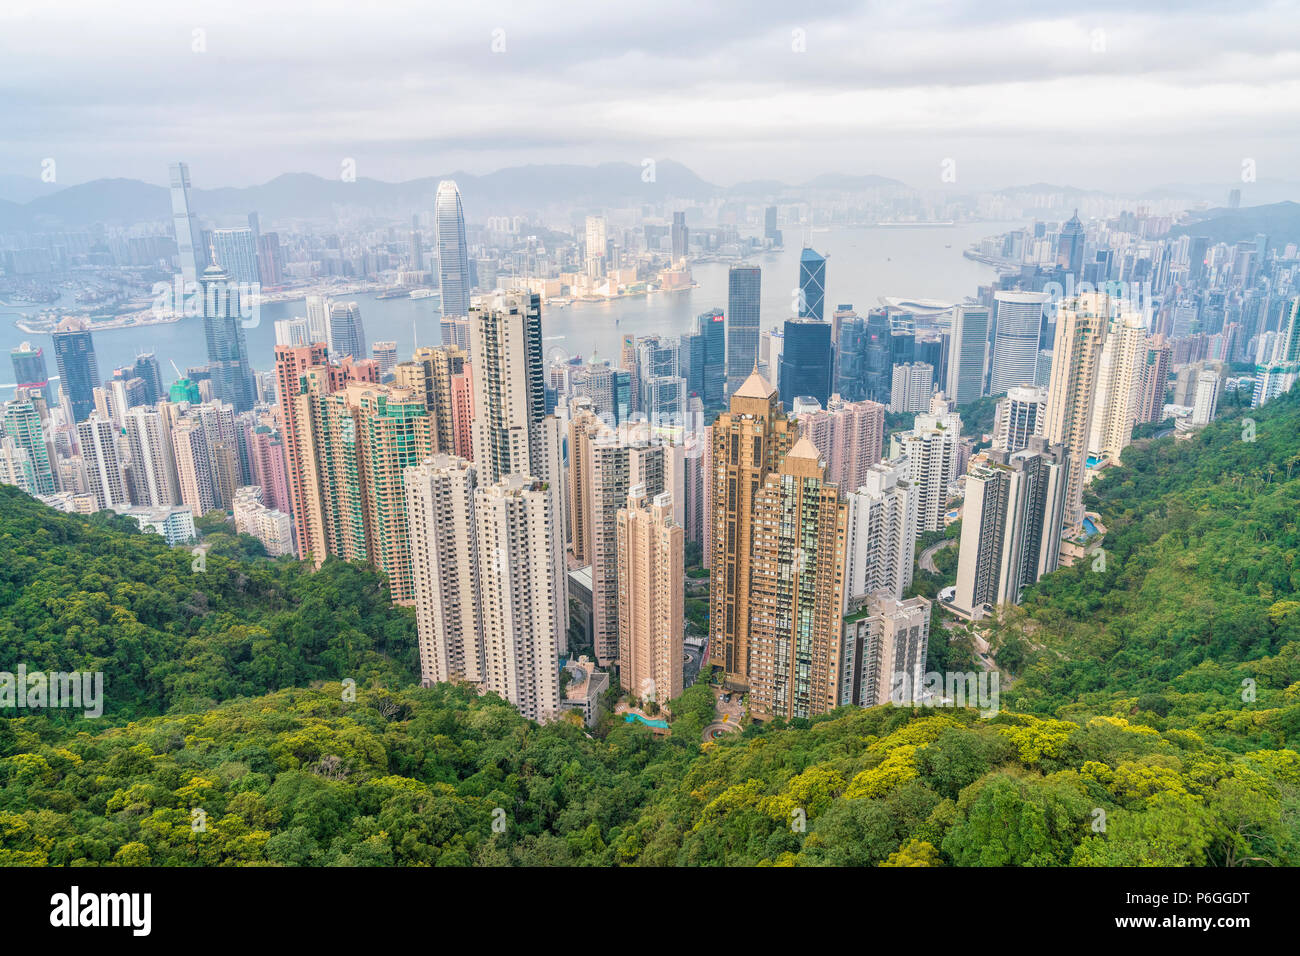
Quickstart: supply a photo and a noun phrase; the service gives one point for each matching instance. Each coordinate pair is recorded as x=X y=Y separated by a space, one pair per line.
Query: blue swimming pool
x=1088 y=527
x=661 y=724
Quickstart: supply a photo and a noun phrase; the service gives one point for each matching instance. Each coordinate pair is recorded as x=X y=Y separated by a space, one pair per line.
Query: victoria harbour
x=863 y=264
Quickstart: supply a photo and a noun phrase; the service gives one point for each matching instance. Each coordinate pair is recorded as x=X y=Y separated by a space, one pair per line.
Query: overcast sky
x=1119 y=95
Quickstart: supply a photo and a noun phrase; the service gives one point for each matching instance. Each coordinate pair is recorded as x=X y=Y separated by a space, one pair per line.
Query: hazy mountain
x=1279 y=221
x=847 y=183
x=306 y=196
x=758 y=187
x=1261 y=193
x=1036 y=189
x=116 y=201
x=19 y=189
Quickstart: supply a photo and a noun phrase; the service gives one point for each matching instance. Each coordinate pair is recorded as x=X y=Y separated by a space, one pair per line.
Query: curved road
x=926 y=560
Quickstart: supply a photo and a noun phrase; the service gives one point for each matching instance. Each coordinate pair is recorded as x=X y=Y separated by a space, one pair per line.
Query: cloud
x=1010 y=89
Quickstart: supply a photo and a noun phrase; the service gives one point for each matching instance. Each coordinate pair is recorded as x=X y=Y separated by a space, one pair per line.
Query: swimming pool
x=661 y=724
x=1088 y=527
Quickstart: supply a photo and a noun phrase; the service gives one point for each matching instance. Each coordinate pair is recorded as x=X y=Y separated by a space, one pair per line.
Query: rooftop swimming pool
x=1088 y=527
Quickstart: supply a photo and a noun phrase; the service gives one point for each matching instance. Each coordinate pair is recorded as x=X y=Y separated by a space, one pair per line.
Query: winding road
x=926 y=560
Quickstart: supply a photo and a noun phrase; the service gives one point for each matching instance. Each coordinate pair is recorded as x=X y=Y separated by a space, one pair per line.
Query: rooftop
x=756 y=386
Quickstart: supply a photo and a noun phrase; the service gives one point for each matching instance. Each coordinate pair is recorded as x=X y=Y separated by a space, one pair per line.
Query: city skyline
x=739 y=475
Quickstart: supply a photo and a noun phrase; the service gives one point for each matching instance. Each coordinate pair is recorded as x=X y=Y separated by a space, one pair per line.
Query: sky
x=1110 y=95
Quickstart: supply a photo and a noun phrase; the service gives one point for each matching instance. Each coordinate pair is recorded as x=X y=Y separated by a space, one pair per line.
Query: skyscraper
x=884 y=647
x=805 y=365
x=968 y=353
x=153 y=461
x=511 y=433
x=290 y=364
x=911 y=387
x=1020 y=416
x=347 y=333
x=522 y=596
x=850 y=437
x=385 y=354
x=1015 y=344
x=748 y=443
x=453 y=251
x=417 y=245
x=628 y=361
x=395 y=434
x=797 y=589
x=743 y=290
x=269 y=467
x=1155 y=380
x=1206 y=404
x=74 y=352
x=440 y=495
x=881 y=532
x=454 y=330
x=16 y=466
x=292 y=332
x=22 y=424
x=235 y=250
x=1069 y=246
x=30 y=371
x=597 y=244
x=318 y=320
x=584 y=424
x=1011 y=524
x=509 y=387
x=189 y=237
x=662 y=388
x=770 y=230
x=147 y=369
x=812 y=284
x=1119 y=386
x=931 y=448
x=650 y=612
x=680 y=236
x=270 y=260
x=232 y=374
x=1081 y=326
x=614 y=461
x=435 y=373
x=712 y=332
x=334 y=516
x=97 y=438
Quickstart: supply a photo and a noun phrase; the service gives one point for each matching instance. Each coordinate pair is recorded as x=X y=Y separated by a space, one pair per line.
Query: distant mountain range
x=26 y=206
x=1279 y=221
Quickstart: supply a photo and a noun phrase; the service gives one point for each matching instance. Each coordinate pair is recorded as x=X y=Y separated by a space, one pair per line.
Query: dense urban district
x=1005 y=581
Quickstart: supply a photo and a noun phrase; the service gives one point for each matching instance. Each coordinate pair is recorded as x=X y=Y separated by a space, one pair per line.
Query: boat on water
x=422 y=293
x=394 y=294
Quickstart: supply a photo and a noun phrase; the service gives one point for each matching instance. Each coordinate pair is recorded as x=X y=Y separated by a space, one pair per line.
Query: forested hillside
x=94 y=594
x=1126 y=734
x=1197 y=592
